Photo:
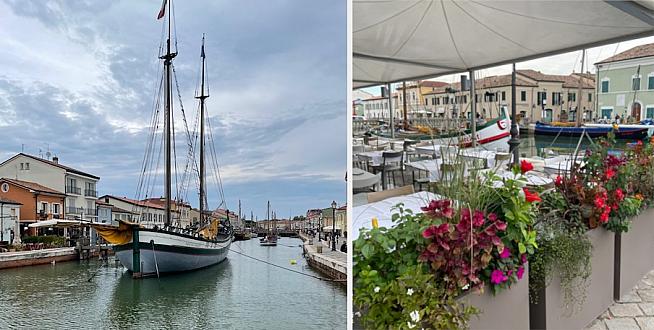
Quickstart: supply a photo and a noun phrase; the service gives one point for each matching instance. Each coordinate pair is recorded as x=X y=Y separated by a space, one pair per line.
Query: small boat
x=270 y=239
x=490 y=131
x=637 y=131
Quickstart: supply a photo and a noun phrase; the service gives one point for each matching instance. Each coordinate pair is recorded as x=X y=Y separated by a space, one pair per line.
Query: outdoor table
x=375 y=156
x=362 y=179
x=362 y=215
x=433 y=168
x=533 y=179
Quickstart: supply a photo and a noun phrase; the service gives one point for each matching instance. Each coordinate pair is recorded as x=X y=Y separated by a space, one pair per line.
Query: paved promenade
x=331 y=263
x=35 y=257
x=634 y=310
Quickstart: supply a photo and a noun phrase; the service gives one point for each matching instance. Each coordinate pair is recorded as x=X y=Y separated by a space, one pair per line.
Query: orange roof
x=135 y=202
x=33 y=186
x=636 y=52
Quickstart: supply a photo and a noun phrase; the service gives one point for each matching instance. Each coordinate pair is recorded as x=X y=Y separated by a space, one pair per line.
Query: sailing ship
x=270 y=238
x=171 y=248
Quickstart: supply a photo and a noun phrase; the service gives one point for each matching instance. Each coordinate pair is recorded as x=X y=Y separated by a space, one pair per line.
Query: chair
x=392 y=161
x=502 y=158
x=384 y=194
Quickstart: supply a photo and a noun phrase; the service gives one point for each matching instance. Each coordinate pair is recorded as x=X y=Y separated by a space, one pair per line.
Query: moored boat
x=594 y=130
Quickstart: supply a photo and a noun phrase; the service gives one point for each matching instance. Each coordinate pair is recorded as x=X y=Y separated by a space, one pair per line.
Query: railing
x=73 y=190
x=89 y=192
x=74 y=210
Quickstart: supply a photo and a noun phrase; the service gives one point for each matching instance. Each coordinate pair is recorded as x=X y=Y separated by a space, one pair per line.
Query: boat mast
x=268 y=216
x=202 y=97
x=579 y=112
x=168 y=58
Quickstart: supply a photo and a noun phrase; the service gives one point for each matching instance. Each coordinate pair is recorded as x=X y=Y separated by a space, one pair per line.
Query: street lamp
x=333 y=225
x=319 y=226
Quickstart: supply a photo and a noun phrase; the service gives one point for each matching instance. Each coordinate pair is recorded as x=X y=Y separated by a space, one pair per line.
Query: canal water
x=239 y=293
x=542 y=146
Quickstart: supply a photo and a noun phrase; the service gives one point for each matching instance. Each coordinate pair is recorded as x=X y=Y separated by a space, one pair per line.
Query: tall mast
x=168 y=60
x=579 y=112
x=268 y=216
x=202 y=97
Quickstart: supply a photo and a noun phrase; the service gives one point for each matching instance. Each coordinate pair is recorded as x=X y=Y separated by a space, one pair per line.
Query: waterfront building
x=111 y=214
x=181 y=211
x=145 y=213
x=9 y=224
x=194 y=215
x=38 y=202
x=377 y=107
x=313 y=218
x=625 y=84
x=79 y=187
x=540 y=97
x=358 y=106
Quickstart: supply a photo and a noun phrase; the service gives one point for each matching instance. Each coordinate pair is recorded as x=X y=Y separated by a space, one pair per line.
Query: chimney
x=55 y=160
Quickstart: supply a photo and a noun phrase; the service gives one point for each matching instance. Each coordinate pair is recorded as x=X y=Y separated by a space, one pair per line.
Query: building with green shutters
x=625 y=85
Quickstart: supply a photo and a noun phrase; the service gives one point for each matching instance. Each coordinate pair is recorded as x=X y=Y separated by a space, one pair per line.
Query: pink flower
x=491 y=217
x=619 y=195
x=523 y=258
x=497 y=277
x=558 y=181
x=520 y=272
x=432 y=231
x=500 y=225
x=505 y=253
x=478 y=218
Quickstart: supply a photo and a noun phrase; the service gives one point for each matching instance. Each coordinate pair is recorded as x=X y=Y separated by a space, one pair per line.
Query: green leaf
x=521 y=248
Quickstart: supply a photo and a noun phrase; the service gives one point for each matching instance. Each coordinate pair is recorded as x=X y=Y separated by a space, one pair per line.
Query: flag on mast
x=162 y=12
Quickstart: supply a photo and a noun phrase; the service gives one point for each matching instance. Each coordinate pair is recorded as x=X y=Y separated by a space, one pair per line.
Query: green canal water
x=533 y=145
x=239 y=293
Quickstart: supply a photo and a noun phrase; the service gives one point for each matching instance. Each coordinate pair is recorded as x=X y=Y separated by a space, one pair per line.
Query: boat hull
x=592 y=131
x=163 y=252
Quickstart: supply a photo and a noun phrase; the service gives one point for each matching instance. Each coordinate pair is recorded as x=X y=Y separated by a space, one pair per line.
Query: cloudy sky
x=78 y=78
x=559 y=64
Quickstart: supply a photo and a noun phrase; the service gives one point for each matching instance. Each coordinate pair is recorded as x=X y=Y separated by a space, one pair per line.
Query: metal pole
x=390 y=109
x=473 y=108
x=202 y=98
x=406 y=126
x=514 y=142
x=333 y=228
x=579 y=112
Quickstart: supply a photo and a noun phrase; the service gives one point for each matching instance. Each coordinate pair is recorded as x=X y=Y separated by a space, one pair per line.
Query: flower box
x=550 y=312
x=633 y=253
x=509 y=309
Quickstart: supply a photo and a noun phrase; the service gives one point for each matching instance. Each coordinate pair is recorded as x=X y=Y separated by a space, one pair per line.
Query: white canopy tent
x=416 y=39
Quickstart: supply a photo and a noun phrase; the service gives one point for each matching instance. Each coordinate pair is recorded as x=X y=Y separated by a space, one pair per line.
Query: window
x=590 y=97
x=44 y=207
x=523 y=96
x=56 y=208
x=27 y=166
x=542 y=98
x=605 y=86
x=556 y=98
x=650 y=112
x=635 y=83
x=572 y=97
x=650 y=81
x=22 y=166
x=503 y=96
x=90 y=206
x=465 y=98
x=426 y=101
x=5 y=187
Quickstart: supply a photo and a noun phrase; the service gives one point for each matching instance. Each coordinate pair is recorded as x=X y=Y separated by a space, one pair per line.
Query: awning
x=329 y=228
x=58 y=223
x=415 y=39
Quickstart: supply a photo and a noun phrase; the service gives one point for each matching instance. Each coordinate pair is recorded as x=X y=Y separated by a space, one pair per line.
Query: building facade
x=79 y=187
x=9 y=224
x=38 y=203
x=145 y=213
x=625 y=85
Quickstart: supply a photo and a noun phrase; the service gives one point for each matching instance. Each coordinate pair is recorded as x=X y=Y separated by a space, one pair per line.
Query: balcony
x=74 y=210
x=73 y=190
x=91 y=193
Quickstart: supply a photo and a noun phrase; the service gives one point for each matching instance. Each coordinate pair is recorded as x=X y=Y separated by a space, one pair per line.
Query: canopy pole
x=390 y=109
x=406 y=127
x=473 y=109
x=514 y=142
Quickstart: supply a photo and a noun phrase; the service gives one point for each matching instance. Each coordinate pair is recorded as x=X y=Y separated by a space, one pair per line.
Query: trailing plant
x=393 y=289
x=564 y=249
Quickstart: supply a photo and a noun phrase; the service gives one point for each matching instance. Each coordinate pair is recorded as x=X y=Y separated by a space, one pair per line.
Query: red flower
x=609 y=174
x=619 y=195
x=531 y=197
x=432 y=231
x=525 y=166
x=558 y=181
x=599 y=201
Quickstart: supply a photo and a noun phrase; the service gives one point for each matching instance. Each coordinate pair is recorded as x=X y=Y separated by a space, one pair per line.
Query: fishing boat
x=171 y=248
x=635 y=131
x=489 y=131
x=270 y=238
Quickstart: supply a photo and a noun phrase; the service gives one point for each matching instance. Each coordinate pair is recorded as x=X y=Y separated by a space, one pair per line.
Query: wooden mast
x=202 y=97
x=168 y=58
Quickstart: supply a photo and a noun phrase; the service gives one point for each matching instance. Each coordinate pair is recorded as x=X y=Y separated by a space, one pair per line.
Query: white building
x=9 y=215
x=80 y=187
x=146 y=213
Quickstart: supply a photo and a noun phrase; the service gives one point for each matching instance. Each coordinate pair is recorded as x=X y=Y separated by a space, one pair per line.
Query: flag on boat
x=162 y=11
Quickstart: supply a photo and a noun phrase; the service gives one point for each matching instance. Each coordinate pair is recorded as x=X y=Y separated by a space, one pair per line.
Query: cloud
x=81 y=79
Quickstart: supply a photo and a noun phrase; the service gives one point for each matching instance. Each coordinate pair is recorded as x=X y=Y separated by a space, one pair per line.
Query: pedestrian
x=344 y=248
